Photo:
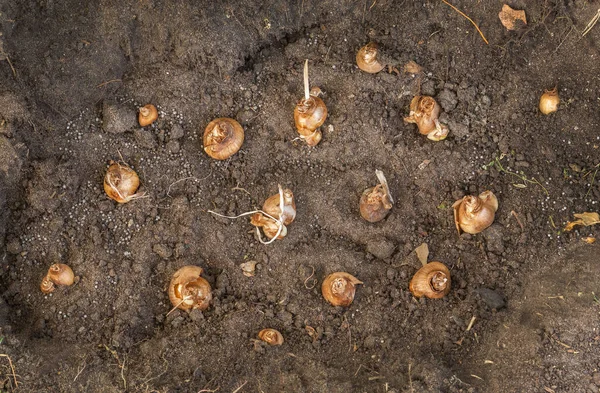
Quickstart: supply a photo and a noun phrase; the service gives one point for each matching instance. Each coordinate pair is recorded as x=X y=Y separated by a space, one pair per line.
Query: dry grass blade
x=12 y=369
x=591 y=24
x=469 y=19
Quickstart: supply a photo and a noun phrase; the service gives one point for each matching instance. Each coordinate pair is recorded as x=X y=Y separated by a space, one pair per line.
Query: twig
x=107 y=82
x=79 y=371
x=590 y=25
x=469 y=19
x=209 y=390
x=410 y=378
x=593 y=178
x=239 y=388
x=514 y=214
x=11 y=65
x=309 y=277
x=14 y=375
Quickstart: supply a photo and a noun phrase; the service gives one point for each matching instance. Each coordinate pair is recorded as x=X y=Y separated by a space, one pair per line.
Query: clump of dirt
x=523 y=299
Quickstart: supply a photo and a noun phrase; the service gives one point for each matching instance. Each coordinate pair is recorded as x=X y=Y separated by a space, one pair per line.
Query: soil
x=523 y=313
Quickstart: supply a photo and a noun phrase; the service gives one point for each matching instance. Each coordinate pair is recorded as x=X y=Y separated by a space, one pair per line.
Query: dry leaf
x=509 y=17
x=585 y=219
x=422 y=253
x=589 y=239
x=412 y=68
x=248 y=268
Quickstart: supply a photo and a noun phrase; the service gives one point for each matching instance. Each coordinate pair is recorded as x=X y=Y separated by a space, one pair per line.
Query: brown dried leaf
x=585 y=219
x=248 y=268
x=422 y=253
x=509 y=17
x=412 y=68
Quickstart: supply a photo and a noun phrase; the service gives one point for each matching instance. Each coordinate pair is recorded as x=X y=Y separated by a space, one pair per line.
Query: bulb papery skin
x=367 y=58
x=339 y=288
x=270 y=227
x=309 y=115
x=473 y=214
x=431 y=281
x=188 y=290
x=271 y=206
x=47 y=286
x=424 y=111
x=121 y=182
x=549 y=101
x=223 y=137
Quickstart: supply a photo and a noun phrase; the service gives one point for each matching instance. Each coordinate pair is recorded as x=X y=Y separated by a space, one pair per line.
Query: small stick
x=306 y=85
x=12 y=368
x=11 y=65
x=471 y=323
x=514 y=214
x=308 y=278
x=241 y=386
x=469 y=19
x=589 y=25
x=107 y=82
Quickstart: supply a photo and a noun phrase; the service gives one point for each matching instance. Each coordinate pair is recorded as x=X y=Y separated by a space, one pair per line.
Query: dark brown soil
x=523 y=313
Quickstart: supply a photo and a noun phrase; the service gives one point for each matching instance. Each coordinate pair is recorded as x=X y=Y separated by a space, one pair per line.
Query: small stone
x=428 y=88
x=173 y=147
x=494 y=237
x=14 y=247
x=596 y=378
x=162 y=250
x=117 y=119
x=458 y=129
x=145 y=138
x=286 y=317
x=244 y=116
x=177 y=132
x=491 y=298
x=381 y=248
x=196 y=315
x=447 y=99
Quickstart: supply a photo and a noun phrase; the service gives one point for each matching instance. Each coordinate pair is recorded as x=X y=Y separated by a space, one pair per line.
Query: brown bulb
x=58 y=274
x=338 y=288
x=271 y=336
x=121 y=182
x=310 y=113
x=271 y=206
x=376 y=202
x=269 y=226
x=432 y=281
x=424 y=110
x=472 y=214
x=148 y=115
x=223 y=137
x=188 y=291
x=549 y=101
x=367 y=58
x=314 y=138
